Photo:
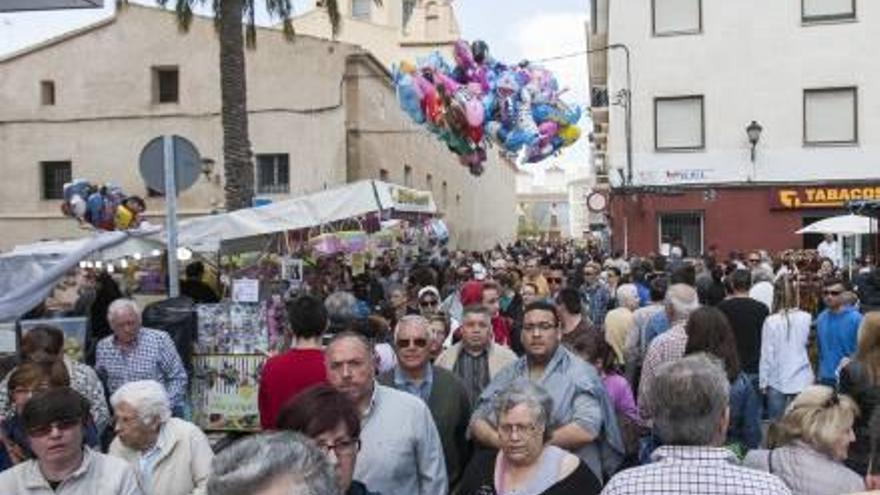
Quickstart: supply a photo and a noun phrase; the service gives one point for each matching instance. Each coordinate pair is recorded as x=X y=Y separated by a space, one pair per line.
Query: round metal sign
x=597 y=202
x=187 y=164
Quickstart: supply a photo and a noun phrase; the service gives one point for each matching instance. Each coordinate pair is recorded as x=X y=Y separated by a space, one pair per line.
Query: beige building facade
x=322 y=113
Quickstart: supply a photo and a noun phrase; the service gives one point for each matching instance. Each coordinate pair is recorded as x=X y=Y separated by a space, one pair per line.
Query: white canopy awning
x=321 y=208
x=842 y=225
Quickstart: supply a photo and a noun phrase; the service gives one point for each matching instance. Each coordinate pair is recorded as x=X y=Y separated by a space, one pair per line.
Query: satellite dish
x=187 y=164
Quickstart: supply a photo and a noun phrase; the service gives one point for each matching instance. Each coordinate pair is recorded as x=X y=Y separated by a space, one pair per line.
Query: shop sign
x=791 y=198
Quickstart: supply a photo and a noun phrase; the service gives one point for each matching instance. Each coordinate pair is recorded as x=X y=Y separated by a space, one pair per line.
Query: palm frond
x=332 y=7
x=184 y=15
x=250 y=29
x=282 y=9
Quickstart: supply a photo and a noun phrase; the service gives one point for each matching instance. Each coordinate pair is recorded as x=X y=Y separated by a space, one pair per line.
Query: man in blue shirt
x=837 y=328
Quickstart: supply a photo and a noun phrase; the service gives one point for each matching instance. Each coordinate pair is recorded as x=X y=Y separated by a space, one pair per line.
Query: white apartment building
x=701 y=72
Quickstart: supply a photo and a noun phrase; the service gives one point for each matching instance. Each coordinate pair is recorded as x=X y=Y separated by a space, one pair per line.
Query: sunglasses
x=554 y=280
x=61 y=425
x=404 y=343
x=754 y=261
x=832 y=292
x=428 y=302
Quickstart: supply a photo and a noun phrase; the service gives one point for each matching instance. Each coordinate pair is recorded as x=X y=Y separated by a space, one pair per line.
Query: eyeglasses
x=526 y=430
x=554 y=280
x=61 y=425
x=344 y=448
x=832 y=292
x=754 y=260
x=428 y=302
x=404 y=343
x=540 y=327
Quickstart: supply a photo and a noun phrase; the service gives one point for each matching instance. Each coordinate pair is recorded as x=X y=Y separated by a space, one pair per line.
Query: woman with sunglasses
x=860 y=379
x=808 y=445
x=328 y=417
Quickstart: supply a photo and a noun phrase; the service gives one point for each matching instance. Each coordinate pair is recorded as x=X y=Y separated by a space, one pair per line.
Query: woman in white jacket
x=784 y=369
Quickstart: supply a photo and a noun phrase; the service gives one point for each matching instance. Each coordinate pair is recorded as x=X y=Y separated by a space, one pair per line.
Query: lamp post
x=753 y=130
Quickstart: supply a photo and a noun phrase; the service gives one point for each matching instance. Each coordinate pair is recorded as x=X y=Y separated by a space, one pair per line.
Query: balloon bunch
x=104 y=207
x=478 y=101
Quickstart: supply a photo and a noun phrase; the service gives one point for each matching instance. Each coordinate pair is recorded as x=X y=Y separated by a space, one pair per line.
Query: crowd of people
x=527 y=369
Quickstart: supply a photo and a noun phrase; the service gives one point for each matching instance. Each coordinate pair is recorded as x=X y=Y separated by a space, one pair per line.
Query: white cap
x=479 y=271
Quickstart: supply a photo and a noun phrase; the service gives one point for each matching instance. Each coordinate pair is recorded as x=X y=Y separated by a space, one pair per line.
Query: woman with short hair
x=809 y=444
x=170 y=456
x=328 y=416
x=526 y=462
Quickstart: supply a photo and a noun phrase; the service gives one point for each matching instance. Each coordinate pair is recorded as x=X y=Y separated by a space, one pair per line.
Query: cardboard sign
x=246 y=290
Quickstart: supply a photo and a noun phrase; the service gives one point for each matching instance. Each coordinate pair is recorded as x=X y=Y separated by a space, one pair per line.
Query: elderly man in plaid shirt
x=133 y=353
x=689 y=405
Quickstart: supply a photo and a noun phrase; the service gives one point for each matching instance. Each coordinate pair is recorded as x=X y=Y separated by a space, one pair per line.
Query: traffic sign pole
x=171 y=216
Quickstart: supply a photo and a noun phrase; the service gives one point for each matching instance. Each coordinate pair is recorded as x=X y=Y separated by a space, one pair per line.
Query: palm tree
x=234 y=20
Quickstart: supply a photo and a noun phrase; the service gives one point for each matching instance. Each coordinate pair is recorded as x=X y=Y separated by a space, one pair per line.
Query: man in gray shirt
x=582 y=412
x=401 y=452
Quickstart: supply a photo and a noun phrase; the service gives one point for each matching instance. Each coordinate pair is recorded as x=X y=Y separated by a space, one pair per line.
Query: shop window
x=673 y=17
x=54 y=175
x=360 y=9
x=678 y=123
x=273 y=173
x=827 y=10
x=830 y=116
x=686 y=227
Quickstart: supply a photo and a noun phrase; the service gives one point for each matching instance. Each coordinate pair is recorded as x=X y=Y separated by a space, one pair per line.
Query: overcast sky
x=514 y=30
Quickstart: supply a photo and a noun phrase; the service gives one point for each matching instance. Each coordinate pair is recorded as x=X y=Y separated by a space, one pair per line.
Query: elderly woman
x=526 y=463
x=329 y=418
x=169 y=455
x=809 y=444
x=46 y=343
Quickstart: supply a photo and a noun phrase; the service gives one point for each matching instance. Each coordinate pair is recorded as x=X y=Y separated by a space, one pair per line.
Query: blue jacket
x=745 y=414
x=837 y=334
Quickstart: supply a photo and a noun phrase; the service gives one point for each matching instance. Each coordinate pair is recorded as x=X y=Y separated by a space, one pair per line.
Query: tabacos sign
x=790 y=198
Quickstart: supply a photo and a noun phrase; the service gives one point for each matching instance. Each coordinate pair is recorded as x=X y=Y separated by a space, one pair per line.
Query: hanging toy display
x=103 y=207
x=478 y=101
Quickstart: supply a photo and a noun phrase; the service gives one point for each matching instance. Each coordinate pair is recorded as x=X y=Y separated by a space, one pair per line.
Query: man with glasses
x=55 y=423
x=582 y=412
x=444 y=394
x=429 y=301
x=837 y=330
x=595 y=294
x=401 y=452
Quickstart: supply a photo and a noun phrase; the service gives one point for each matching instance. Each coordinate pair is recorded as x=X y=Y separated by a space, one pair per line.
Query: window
x=408 y=7
x=827 y=10
x=686 y=227
x=166 y=81
x=360 y=9
x=444 y=196
x=678 y=123
x=273 y=174
x=429 y=182
x=47 y=93
x=671 y=17
x=383 y=175
x=55 y=175
x=432 y=20
x=830 y=116
x=407 y=176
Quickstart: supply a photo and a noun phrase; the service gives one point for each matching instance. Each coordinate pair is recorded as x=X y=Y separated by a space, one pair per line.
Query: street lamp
x=753 y=130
